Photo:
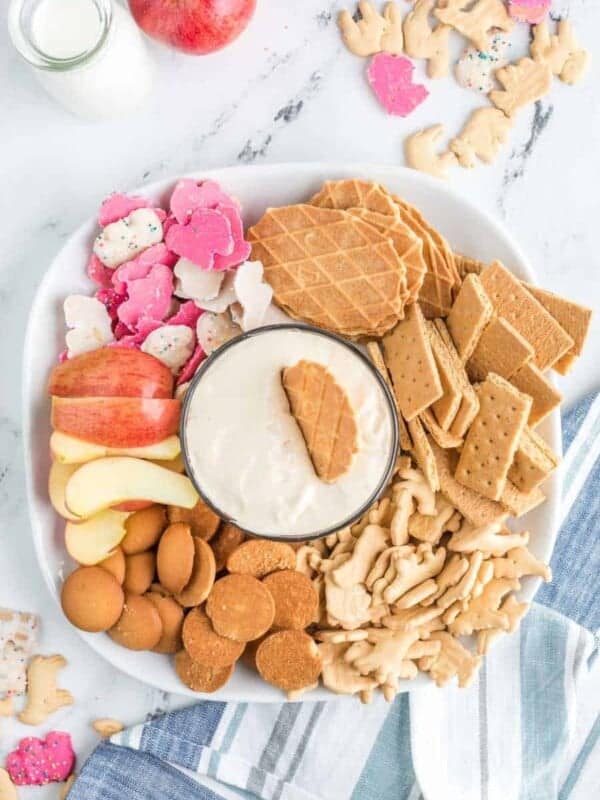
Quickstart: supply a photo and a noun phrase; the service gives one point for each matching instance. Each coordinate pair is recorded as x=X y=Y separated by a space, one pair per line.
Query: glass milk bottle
x=88 y=54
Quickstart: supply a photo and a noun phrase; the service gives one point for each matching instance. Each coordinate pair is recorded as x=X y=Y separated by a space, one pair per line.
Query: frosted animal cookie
x=561 y=51
x=421 y=155
x=475 y=68
x=482 y=137
x=421 y=41
x=476 y=22
x=523 y=82
x=18 y=637
x=193 y=283
x=253 y=295
x=171 y=344
x=213 y=330
x=123 y=240
x=89 y=323
x=44 y=697
x=373 y=33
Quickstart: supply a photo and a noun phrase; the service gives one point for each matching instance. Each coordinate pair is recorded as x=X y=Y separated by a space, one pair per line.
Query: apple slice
x=121 y=422
x=93 y=540
x=58 y=478
x=176 y=464
x=111 y=372
x=107 y=482
x=70 y=450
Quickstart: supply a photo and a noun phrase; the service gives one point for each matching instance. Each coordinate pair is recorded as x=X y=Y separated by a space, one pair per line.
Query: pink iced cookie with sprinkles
x=188 y=314
x=134 y=339
x=117 y=206
x=98 y=273
x=391 y=80
x=112 y=300
x=531 y=11
x=208 y=233
x=149 y=296
x=190 y=368
x=37 y=762
x=188 y=196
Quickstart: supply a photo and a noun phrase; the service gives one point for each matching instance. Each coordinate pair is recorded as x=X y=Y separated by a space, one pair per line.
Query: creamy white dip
x=246 y=452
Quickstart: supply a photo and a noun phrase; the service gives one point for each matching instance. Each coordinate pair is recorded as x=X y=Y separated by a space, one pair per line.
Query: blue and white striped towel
x=528 y=728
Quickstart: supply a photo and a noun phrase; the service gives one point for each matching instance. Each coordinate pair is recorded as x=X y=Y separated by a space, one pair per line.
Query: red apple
x=133 y=505
x=194 y=26
x=116 y=421
x=111 y=371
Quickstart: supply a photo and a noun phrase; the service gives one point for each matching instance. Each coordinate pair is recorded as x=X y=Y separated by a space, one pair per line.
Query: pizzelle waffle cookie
x=331 y=269
x=323 y=412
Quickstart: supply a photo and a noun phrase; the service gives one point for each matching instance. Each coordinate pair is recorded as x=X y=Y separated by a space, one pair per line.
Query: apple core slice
x=107 y=482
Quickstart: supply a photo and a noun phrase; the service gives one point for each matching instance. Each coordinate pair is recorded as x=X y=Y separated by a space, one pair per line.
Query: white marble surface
x=287 y=90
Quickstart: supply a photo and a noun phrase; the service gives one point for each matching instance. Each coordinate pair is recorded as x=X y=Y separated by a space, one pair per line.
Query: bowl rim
x=315 y=331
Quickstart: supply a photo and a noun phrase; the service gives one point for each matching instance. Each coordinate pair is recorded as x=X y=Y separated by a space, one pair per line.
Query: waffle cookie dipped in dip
x=289 y=432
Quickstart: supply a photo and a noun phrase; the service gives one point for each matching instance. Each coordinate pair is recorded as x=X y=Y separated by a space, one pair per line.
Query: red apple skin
x=134 y=505
x=116 y=421
x=111 y=372
x=193 y=26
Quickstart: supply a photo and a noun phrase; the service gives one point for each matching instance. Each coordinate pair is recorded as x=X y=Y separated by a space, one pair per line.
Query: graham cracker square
x=533 y=462
x=471 y=312
x=501 y=349
x=529 y=380
x=492 y=440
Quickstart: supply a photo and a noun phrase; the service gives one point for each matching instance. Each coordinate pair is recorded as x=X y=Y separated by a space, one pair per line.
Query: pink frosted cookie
x=532 y=11
x=241 y=248
x=207 y=234
x=36 y=762
x=148 y=296
x=187 y=314
x=111 y=299
x=116 y=206
x=189 y=368
x=188 y=196
x=391 y=80
x=98 y=273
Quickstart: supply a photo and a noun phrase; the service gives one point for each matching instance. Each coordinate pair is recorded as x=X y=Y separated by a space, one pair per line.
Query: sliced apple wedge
x=57 y=483
x=93 y=540
x=108 y=482
x=111 y=372
x=176 y=464
x=121 y=422
x=70 y=450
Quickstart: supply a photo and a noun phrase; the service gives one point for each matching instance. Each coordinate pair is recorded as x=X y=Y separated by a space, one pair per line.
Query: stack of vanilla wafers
x=466 y=348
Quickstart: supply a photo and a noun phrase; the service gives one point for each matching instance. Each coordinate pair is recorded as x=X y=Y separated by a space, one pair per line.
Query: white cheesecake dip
x=245 y=451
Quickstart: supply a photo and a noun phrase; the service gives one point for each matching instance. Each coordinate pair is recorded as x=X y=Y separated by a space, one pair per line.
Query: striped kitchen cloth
x=527 y=729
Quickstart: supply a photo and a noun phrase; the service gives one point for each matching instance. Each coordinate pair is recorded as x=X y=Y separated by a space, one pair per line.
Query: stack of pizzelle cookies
x=184 y=583
x=466 y=358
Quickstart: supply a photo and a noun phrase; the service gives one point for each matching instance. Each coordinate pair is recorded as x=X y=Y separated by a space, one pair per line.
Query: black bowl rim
x=381 y=486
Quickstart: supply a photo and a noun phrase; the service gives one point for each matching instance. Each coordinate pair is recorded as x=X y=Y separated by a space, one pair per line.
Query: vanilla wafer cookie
x=500 y=349
x=323 y=412
x=512 y=301
x=493 y=438
x=411 y=364
x=471 y=312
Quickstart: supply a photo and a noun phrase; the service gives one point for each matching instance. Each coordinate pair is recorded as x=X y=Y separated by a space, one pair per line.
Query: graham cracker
x=408 y=246
x=518 y=503
x=446 y=408
x=423 y=454
x=512 y=301
x=533 y=462
x=545 y=396
x=476 y=509
x=376 y=356
x=574 y=318
x=469 y=404
x=330 y=269
x=493 y=438
x=326 y=418
x=411 y=364
x=471 y=312
x=468 y=266
x=501 y=349
x=438 y=434
x=355 y=193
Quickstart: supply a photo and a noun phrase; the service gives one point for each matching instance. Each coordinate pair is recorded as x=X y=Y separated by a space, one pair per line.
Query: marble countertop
x=286 y=91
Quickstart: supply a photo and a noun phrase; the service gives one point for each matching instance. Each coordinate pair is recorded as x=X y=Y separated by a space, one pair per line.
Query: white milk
x=88 y=54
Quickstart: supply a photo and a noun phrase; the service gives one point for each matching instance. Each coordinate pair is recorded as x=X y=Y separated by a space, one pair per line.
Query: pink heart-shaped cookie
x=391 y=80
x=37 y=762
x=208 y=233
